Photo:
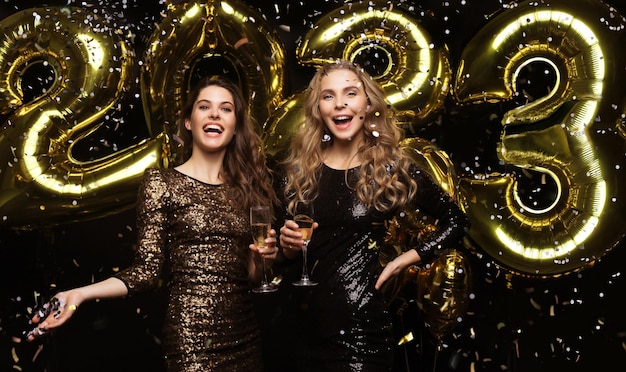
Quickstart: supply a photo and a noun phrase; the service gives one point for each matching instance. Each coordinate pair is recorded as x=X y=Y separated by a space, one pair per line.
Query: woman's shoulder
x=159 y=176
x=159 y=172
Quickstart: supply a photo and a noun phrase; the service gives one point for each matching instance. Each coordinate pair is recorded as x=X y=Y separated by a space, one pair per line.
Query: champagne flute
x=260 y=221
x=304 y=218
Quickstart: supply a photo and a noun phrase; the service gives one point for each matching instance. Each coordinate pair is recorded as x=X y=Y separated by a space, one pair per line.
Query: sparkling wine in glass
x=304 y=218
x=260 y=222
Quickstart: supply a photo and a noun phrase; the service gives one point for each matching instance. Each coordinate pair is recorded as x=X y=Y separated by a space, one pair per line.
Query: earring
x=326 y=138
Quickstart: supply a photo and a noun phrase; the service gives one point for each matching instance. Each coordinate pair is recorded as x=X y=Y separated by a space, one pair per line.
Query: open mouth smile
x=342 y=119
x=213 y=128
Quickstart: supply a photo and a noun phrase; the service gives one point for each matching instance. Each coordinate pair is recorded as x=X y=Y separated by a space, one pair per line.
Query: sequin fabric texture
x=190 y=235
x=343 y=324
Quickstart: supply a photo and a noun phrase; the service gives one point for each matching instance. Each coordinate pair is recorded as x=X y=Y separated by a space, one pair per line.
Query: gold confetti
x=406 y=338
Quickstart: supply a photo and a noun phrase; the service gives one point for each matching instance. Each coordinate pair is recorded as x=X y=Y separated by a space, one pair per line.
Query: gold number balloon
x=42 y=182
x=197 y=31
x=444 y=292
x=571 y=136
x=436 y=162
x=392 y=44
x=282 y=123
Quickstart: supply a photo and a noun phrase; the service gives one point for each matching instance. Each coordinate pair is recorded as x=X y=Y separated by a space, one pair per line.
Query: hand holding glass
x=260 y=221
x=304 y=218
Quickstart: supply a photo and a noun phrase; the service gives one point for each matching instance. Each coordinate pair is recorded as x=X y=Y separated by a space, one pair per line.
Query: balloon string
x=437 y=349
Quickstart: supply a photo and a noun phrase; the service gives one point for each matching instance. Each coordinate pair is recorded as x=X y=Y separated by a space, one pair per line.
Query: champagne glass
x=304 y=218
x=260 y=221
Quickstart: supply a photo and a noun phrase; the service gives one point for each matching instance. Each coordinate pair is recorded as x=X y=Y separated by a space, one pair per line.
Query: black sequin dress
x=343 y=323
x=190 y=236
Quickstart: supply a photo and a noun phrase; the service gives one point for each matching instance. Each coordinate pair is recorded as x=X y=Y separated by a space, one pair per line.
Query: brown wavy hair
x=384 y=182
x=244 y=168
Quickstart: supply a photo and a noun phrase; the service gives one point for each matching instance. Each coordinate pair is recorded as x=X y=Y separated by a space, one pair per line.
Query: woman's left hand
x=395 y=266
x=270 y=251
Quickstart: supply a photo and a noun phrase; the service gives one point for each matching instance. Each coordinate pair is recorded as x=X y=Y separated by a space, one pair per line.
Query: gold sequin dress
x=189 y=235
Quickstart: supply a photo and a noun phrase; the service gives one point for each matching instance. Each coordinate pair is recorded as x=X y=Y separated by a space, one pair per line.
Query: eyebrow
x=220 y=103
x=351 y=87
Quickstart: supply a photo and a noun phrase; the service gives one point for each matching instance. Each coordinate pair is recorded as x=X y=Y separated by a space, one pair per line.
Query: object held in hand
x=53 y=306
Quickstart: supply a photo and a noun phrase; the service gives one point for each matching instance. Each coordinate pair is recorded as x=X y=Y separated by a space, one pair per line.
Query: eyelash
x=329 y=96
x=205 y=107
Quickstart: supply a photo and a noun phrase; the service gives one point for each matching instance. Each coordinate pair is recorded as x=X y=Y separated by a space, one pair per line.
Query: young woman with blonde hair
x=347 y=159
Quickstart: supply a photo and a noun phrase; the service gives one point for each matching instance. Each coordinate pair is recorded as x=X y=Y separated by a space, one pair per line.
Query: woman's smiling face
x=343 y=104
x=213 y=121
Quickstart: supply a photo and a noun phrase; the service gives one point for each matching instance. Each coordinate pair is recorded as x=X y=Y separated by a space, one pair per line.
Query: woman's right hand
x=54 y=313
x=291 y=239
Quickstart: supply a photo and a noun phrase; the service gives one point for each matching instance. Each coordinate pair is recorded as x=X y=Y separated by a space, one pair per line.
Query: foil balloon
x=282 y=124
x=193 y=34
x=433 y=160
x=42 y=181
x=571 y=137
x=443 y=292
